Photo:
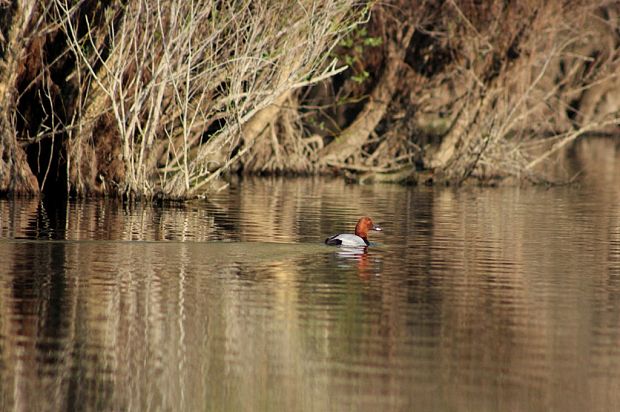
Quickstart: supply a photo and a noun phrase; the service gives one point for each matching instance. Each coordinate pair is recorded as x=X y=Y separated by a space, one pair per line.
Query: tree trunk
x=355 y=135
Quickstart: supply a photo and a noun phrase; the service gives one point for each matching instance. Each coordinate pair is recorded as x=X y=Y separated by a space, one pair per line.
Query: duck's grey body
x=346 y=239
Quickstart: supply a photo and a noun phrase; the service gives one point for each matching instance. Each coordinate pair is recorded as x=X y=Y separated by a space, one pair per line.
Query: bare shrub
x=531 y=86
x=175 y=92
x=26 y=24
x=484 y=91
x=163 y=97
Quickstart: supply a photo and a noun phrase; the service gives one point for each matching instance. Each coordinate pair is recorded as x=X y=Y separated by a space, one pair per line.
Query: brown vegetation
x=483 y=91
x=157 y=98
x=163 y=98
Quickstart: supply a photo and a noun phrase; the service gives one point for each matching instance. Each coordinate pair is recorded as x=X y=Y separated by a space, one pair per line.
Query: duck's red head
x=364 y=225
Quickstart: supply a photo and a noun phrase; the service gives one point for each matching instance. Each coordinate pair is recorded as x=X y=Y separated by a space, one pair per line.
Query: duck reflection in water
x=367 y=264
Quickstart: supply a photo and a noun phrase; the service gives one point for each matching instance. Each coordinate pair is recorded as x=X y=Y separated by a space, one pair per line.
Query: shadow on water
x=471 y=299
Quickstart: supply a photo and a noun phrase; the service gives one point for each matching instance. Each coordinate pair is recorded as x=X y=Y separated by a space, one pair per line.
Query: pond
x=470 y=299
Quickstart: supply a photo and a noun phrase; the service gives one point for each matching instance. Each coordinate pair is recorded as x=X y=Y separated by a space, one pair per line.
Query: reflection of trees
x=514 y=267
x=458 y=306
x=44 y=338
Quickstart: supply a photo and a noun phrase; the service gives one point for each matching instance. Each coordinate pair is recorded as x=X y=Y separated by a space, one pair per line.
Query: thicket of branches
x=163 y=97
x=159 y=97
x=459 y=90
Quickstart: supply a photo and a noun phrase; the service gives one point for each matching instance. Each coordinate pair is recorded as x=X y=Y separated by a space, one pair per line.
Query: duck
x=359 y=239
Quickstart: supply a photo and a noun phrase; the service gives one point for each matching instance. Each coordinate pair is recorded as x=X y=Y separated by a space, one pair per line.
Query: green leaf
x=360 y=77
x=373 y=41
x=346 y=42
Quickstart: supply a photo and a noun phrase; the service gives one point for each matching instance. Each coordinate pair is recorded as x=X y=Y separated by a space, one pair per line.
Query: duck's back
x=346 y=239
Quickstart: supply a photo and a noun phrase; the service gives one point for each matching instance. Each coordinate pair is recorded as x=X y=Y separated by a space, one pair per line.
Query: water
x=478 y=299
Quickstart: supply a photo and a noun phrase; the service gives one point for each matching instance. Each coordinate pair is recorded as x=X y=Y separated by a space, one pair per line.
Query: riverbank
x=166 y=99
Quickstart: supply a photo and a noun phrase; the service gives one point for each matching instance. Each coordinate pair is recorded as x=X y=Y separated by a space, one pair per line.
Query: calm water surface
x=473 y=299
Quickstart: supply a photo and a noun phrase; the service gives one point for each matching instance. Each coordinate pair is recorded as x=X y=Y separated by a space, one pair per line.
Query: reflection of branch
x=570 y=137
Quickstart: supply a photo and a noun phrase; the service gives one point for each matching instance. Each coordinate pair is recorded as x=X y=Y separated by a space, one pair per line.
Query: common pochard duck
x=360 y=238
